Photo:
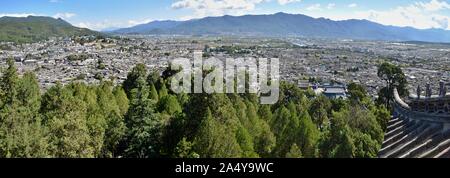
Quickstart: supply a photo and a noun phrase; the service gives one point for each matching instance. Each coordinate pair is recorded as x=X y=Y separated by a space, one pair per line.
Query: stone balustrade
x=419 y=128
x=431 y=104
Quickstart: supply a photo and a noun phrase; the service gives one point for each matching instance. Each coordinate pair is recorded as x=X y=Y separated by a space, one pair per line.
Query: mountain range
x=283 y=24
x=36 y=28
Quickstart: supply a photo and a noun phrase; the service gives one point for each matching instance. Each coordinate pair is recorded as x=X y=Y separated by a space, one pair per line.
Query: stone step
x=436 y=150
x=419 y=149
x=407 y=139
x=395 y=133
x=395 y=125
x=441 y=144
x=408 y=136
x=409 y=128
x=410 y=153
x=394 y=138
x=393 y=120
x=429 y=132
x=444 y=153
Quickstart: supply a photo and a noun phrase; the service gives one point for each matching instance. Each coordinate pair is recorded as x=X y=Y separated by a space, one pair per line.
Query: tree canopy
x=143 y=119
x=394 y=78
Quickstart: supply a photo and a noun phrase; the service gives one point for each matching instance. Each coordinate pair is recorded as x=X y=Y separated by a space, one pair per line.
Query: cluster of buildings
x=53 y=61
x=324 y=65
x=347 y=61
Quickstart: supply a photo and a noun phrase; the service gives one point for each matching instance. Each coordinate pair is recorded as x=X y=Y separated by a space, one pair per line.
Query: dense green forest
x=143 y=119
x=35 y=29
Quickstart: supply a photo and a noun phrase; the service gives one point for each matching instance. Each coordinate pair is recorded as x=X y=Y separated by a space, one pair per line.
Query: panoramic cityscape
x=356 y=79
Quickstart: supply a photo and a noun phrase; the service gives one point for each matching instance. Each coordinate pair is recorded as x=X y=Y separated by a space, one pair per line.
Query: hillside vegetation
x=33 y=29
x=143 y=119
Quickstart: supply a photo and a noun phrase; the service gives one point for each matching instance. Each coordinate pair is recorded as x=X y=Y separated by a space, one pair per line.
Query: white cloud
x=419 y=15
x=284 y=2
x=17 y=15
x=102 y=25
x=203 y=8
x=58 y=15
x=422 y=14
x=138 y=22
x=54 y=1
x=353 y=5
x=314 y=7
x=84 y=25
x=99 y=25
x=108 y=24
x=433 y=5
x=65 y=15
x=331 y=6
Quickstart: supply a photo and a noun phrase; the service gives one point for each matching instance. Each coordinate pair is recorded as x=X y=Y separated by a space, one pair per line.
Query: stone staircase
x=407 y=138
x=417 y=133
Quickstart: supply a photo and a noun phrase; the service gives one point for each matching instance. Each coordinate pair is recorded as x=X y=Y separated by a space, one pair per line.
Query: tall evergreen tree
x=8 y=83
x=215 y=141
x=65 y=116
x=153 y=92
x=144 y=125
x=122 y=100
x=21 y=132
x=139 y=72
x=294 y=152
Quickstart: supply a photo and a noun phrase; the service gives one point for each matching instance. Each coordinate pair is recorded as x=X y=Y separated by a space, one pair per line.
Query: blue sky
x=105 y=14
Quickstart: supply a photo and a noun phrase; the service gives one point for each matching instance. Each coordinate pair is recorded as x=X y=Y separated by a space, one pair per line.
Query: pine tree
x=282 y=127
x=266 y=141
x=21 y=132
x=318 y=110
x=144 y=126
x=139 y=72
x=153 y=93
x=246 y=143
x=8 y=83
x=265 y=113
x=294 y=152
x=169 y=105
x=28 y=92
x=115 y=125
x=215 y=141
x=163 y=91
x=21 y=136
x=153 y=78
x=308 y=136
x=66 y=116
x=122 y=100
x=184 y=150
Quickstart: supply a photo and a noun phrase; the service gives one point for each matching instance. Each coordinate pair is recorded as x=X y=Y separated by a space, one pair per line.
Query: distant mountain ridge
x=282 y=24
x=149 y=27
x=36 y=28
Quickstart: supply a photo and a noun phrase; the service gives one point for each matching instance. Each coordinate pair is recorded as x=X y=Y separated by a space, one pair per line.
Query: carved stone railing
x=399 y=100
x=401 y=108
x=428 y=92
